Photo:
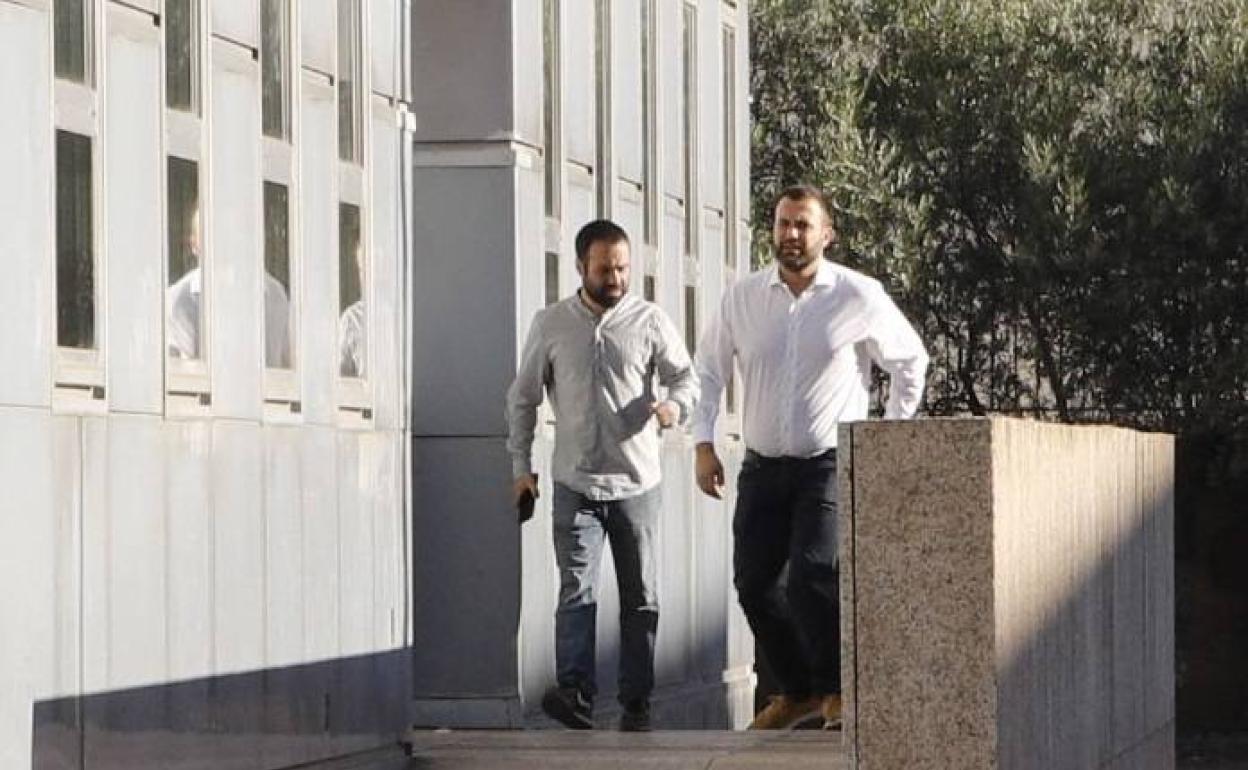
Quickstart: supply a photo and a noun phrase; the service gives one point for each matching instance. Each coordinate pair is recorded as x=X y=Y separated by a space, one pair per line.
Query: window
x=730 y=146
x=649 y=288
x=350 y=82
x=689 y=117
x=691 y=319
x=602 y=105
x=185 y=295
x=353 y=318
x=79 y=372
x=551 y=96
x=275 y=68
x=182 y=55
x=75 y=250
x=279 y=276
x=649 y=159
x=73 y=42
x=552 y=277
x=278 y=308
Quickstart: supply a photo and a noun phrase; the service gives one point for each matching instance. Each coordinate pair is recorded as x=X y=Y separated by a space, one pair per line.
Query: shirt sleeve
x=523 y=398
x=895 y=347
x=714 y=366
x=674 y=367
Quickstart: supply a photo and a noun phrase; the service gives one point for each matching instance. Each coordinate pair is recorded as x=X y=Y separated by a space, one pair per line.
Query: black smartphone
x=524 y=506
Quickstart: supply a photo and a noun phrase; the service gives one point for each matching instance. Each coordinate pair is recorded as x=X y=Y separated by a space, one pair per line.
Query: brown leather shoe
x=784 y=711
x=831 y=709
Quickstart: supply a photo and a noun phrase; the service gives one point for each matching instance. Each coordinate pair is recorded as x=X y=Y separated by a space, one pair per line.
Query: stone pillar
x=1008 y=595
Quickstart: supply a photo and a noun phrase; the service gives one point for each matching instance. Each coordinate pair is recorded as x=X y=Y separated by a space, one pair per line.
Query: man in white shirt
x=804 y=333
x=184 y=304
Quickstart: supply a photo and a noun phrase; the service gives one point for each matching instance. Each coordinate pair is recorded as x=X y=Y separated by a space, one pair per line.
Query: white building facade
x=268 y=266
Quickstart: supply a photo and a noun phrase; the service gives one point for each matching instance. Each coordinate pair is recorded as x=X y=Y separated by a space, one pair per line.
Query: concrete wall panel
x=239 y=547
x=710 y=128
x=134 y=550
x=457 y=258
x=355 y=546
x=539 y=585
x=671 y=80
x=236 y=269
x=579 y=72
x=188 y=451
x=382 y=44
x=626 y=90
x=464 y=70
x=389 y=590
x=236 y=20
x=384 y=349
x=29 y=550
x=317 y=21
x=464 y=545
x=283 y=540
x=319 y=500
x=27 y=300
x=318 y=191
x=527 y=74
x=134 y=232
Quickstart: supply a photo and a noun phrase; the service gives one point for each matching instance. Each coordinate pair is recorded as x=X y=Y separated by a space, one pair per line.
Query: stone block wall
x=1008 y=595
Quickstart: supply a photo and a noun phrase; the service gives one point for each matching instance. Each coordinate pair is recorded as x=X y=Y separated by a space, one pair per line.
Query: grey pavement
x=665 y=750
x=606 y=750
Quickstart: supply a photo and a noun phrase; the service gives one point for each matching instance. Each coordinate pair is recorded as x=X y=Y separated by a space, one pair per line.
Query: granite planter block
x=1008 y=595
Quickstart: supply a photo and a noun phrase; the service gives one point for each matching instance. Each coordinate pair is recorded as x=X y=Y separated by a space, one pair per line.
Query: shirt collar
x=825 y=274
x=582 y=308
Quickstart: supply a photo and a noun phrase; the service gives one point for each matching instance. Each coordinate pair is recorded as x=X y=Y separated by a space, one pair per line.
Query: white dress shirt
x=353 y=341
x=184 y=305
x=806 y=360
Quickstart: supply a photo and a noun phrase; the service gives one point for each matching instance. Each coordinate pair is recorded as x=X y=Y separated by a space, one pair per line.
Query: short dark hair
x=600 y=230
x=805 y=192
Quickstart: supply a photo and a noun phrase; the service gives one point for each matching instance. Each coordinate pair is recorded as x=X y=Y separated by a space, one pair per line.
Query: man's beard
x=795 y=261
x=600 y=296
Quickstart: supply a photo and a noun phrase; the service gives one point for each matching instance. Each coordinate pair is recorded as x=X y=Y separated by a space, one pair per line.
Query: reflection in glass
x=689 y=106
x=349 y=81
x=602 y=104
x=181 y=55
x=647 y=122
x=72 y=40
x=75 y=254
x=550 y=92
x=649 y=289
x=691 y=319
x=274 y=47
x=730 y=146
x=353 y=321
x=184 y=298
x=552 y=277
x=278 y=351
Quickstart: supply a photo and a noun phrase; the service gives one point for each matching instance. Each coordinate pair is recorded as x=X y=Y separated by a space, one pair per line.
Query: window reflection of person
x=184 y=299
x=276 y=324
x=353 y=329
x=185 y=307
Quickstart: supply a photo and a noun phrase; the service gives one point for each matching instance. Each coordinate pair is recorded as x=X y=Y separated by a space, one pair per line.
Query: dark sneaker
x=568 y=707
x=636 y=717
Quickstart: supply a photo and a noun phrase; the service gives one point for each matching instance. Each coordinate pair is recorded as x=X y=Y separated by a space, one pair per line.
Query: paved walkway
x=667 y=750
x=607 y=750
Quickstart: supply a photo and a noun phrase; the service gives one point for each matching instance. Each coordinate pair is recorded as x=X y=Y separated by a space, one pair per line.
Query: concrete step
x=605 y=750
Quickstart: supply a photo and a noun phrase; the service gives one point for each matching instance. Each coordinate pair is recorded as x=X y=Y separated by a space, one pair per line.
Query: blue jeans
x=580 y=526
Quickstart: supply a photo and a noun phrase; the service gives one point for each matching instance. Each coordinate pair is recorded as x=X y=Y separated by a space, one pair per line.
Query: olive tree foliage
x=1056 y=191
